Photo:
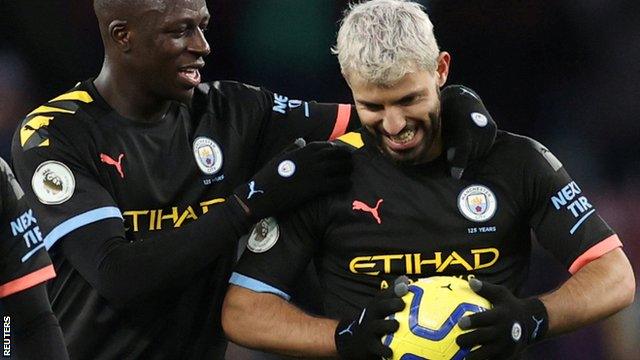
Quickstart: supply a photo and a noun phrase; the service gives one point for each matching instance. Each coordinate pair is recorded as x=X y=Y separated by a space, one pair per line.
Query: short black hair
x=108 y=9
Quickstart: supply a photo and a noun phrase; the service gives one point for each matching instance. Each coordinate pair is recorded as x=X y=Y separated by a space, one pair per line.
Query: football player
x=404 y=216
x=30 y=330
x=145 y=177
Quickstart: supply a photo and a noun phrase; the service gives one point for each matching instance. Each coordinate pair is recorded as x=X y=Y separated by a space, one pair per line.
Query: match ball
x=429 y=322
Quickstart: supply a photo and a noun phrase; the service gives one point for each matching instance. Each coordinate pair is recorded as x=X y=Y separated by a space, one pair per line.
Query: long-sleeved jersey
x=23 y=260
x=31 y=330
x=94 y=176
x=419 y=222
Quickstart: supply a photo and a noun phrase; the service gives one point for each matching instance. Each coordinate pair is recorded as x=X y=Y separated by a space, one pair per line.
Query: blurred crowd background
x=564 y=72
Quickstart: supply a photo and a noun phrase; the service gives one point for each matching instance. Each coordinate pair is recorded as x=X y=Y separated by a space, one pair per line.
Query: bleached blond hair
x=383 y=40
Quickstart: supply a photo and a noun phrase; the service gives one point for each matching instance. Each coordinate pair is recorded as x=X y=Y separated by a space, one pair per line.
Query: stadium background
x=564 y=72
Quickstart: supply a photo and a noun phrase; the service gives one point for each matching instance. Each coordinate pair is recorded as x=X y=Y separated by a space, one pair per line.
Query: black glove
x=360 y=338
x=468 y=129
x=294 y=177
x=507 y=329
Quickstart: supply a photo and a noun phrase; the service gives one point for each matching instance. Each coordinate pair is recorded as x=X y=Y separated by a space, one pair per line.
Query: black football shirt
x=23 y=260
x=81 y=162
x=420 y=222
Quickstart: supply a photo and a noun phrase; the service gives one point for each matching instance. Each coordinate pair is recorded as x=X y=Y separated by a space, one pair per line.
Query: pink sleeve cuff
x=27 y=281
x=342 y=121
x=594 y=252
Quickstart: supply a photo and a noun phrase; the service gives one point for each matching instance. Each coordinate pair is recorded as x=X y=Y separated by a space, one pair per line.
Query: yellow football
x=429 y=322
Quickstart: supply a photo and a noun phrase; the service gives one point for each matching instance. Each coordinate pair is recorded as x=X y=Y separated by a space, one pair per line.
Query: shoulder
x=232 y=98
x=60 y=117
x=517 y=151
x=232 y=90
x=10 y=191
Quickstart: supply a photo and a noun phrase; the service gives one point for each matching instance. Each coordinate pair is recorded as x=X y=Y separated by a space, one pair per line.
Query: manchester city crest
x=208 y=155
x=477 y=203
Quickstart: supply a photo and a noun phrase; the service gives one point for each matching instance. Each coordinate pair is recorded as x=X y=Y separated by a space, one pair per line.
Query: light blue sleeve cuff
x=79 y=221
x=256 y=285
x=72 y=224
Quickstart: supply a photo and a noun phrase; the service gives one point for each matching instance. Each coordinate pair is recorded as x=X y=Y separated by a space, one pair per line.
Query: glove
x=360 y=338
x=507 y=329
x=468 y=129
x=294 y=177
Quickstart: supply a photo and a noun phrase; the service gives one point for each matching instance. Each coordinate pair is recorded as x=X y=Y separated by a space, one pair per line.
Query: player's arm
x=278 y=119
x=515 y=323
x=80 y=215
x=24 y=302
x=35 y=330
x=609 y=279
x=469 y=130
x=268 y=322
x=125 y=271
x=82 y=221
x=566 y=224
x=268 y=124
x=128 y=272
x=256 y=312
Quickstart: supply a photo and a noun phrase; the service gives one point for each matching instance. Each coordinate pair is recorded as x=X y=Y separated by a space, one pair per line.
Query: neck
x=436 y=148
x=127 y=97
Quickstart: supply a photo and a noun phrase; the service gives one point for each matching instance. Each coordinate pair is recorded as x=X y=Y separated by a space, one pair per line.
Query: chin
x=184 y=96
x=413 y=156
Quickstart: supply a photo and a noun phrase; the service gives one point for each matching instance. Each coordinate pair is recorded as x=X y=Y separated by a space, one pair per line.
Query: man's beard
x=420 y=153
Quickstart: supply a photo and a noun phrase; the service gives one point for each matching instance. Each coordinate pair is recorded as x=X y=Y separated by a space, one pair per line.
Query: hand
x=468 y=129
x=505 y=330
x=295 y=177
x=360 y=338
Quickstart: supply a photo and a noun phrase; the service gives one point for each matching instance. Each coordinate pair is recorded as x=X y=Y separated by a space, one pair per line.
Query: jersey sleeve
x=271 y=121
x=278 y=252
x=23 y=261
x=563 y=218
x=60 y=180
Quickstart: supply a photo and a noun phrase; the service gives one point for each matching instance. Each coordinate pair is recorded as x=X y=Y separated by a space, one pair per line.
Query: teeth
x=403 y=137
x=192 y=73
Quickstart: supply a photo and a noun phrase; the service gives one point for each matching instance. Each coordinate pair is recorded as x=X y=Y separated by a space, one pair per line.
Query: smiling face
x=404 y=117
x=167 y=46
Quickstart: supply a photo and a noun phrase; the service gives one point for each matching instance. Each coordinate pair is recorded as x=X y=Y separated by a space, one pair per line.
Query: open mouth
x=190 y=76
x=407 y=139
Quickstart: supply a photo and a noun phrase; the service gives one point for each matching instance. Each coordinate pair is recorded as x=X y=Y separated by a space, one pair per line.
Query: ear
x=120 y=34
x=444 y=60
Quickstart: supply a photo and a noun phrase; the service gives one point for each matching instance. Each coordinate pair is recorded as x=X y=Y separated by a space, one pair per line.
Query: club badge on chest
x=208 y=155
x=477 y=203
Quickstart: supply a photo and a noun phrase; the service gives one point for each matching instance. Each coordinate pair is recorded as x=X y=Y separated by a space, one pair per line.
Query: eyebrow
x=188 y=20
x=400 y=100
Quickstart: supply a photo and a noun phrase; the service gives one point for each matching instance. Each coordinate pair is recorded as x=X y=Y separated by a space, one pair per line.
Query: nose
x=393 y=121
x=199 y=44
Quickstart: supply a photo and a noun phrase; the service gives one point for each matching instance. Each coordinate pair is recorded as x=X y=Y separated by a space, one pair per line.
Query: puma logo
x=109 y=161
x=538 y=323
x=347 y=330
x=359 y=205
x=252 y=190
